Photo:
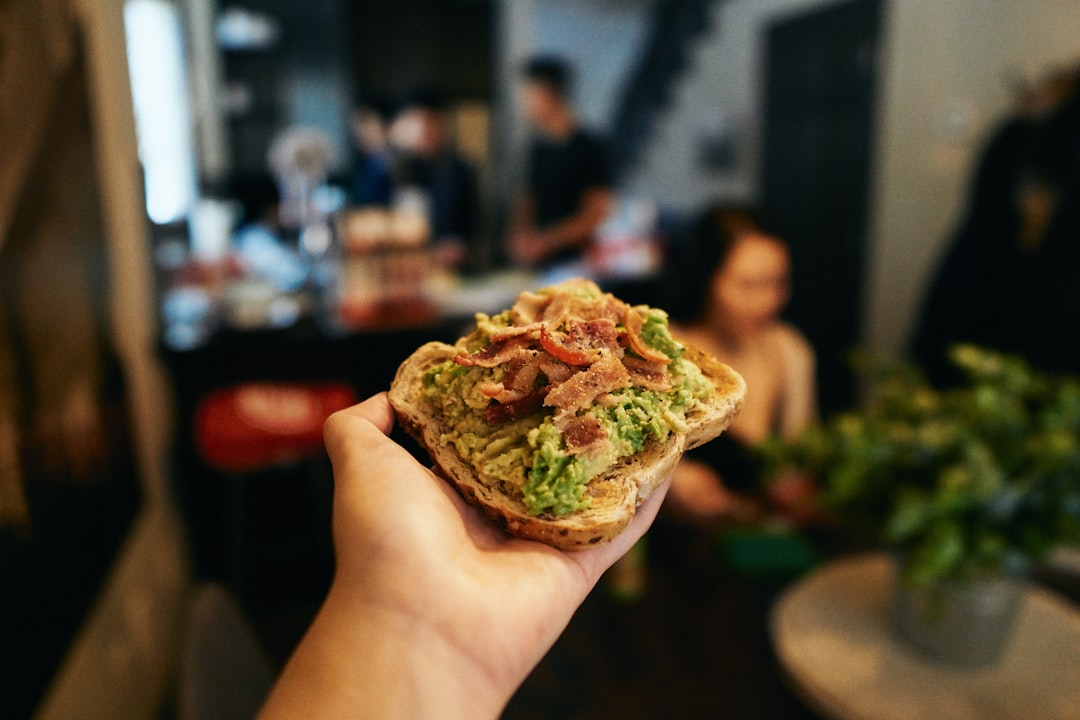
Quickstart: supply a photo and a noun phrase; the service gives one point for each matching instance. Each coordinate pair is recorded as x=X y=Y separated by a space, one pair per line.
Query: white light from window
x=156 y=64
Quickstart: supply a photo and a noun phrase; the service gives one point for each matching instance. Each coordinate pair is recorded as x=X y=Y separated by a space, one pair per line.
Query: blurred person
x=568 y=192
x=259 y=247
x=424 y=159
x=433 y=612
x=370 y=183
x=259 y=200
x=744 y=285
x=1008 y=278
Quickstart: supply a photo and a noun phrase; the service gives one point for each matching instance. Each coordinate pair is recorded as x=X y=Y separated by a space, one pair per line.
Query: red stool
x=252 y=427
x=258 y=425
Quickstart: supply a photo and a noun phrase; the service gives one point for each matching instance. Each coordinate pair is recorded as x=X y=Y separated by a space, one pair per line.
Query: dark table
x=282 y=513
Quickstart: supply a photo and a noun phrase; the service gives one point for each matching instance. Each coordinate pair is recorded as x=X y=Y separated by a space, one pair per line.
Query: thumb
x=368 y=424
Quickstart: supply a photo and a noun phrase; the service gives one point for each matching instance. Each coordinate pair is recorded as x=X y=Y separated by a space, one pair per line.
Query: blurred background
x=220 y=221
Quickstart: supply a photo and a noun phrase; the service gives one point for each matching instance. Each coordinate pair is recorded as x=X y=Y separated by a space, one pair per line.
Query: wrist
x=383 y=661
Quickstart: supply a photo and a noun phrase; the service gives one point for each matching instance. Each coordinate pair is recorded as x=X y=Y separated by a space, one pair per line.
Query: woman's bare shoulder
x=791 y=342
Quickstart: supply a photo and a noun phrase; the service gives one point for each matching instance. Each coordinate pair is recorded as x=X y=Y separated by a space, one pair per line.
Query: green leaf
x=910 y=513
x=959 y=477
x=937 y=555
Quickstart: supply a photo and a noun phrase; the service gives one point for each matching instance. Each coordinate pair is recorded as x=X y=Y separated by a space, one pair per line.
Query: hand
x=699 y=494
x=434 y=611
x=796 y=496
x=528 y=247
x=449 y=253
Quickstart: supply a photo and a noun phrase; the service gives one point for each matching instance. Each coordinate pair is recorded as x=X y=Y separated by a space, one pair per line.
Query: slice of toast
x=614 y=495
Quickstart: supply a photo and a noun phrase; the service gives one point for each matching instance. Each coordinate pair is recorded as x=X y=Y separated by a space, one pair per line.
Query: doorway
x=820 y=82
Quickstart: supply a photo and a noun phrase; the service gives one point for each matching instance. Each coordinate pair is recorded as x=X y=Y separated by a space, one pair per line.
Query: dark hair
x=706 y=246
x=718 y=228
x=549 y=71
x=256 y=194
x=423 y=97
x=379 y=104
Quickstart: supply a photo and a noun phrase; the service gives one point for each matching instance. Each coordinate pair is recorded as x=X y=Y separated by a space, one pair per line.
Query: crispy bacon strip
x=521 y=374
x=575 y=344
x=505 y=412
x=531 y=331
x=633 y=322
x=578 y=392
x=497 y=353
x=583 y=342
x=595 y=333
x=555 y=370
x=646 y=374
x=567 y=305
x=583 y=435
x=529 y=308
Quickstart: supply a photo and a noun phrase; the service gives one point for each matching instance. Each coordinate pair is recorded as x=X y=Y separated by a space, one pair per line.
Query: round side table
x=833 y=638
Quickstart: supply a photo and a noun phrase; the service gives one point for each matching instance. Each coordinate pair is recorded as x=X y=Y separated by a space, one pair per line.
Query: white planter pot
x=959 y=622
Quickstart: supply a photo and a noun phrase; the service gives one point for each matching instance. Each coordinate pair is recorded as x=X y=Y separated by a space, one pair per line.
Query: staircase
x=675 y=25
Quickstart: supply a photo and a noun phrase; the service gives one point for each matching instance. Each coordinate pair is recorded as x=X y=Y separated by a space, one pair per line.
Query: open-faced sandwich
x=560 y=416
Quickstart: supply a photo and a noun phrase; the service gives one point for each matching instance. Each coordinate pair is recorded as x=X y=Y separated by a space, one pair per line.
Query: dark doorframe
x=820 y=83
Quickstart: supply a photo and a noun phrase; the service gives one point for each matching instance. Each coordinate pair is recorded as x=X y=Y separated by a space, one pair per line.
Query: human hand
x=449 y=253
x=795 y=495
x=434 y=611
x=528 y=247
x=699 y=494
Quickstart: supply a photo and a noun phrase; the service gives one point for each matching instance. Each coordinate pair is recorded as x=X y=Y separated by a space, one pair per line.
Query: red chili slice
x=561 y=349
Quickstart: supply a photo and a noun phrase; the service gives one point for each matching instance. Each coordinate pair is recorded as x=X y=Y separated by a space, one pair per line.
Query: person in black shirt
x=568 y=189
x=369 y=182
x=1008 y=280
x=424 y=159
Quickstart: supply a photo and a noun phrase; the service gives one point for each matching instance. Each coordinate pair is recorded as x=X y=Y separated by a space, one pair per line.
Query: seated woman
x=745 y=284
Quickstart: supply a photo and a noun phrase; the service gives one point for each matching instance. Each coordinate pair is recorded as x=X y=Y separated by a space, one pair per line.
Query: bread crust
x=614 y=495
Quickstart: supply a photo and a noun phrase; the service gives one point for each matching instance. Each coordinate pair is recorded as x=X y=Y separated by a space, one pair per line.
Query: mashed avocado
x=529 y=455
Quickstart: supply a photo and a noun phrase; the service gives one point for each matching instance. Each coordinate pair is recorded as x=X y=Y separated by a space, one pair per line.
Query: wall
x=721 y=85
x=120 y=663
x=207 y=90
x=944 y=71
x=945 y=86
x=600 y=38
x=302 y=80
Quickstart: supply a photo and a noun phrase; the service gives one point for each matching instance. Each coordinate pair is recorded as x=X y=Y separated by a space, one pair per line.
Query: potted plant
x=969 y=486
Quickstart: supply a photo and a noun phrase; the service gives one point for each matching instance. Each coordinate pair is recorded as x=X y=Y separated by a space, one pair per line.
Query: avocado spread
x=529 y=455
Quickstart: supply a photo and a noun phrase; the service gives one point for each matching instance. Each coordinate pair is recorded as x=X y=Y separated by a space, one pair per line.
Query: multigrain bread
x=613 y=496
